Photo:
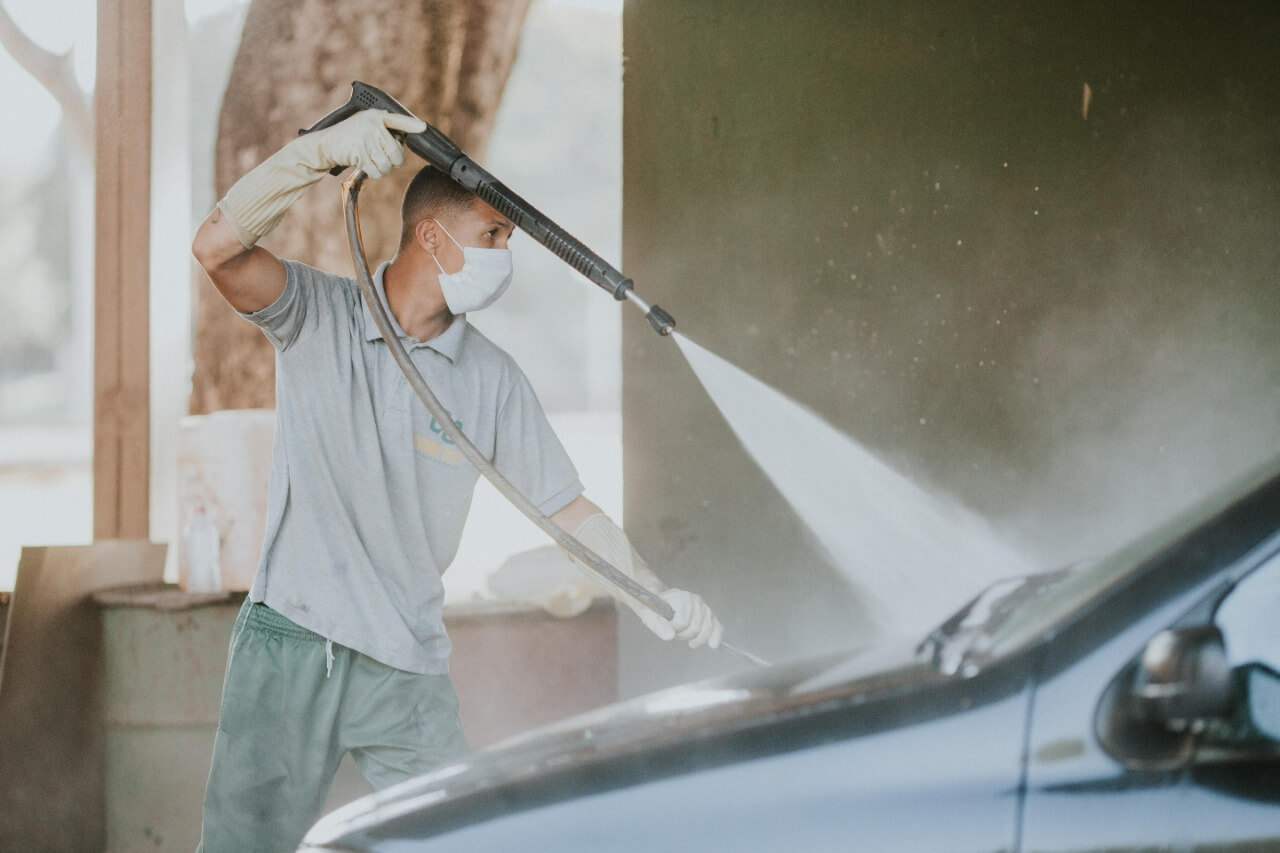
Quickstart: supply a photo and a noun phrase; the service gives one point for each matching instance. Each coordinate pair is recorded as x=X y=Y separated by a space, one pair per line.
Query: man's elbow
x=215 y=244
x=202 y=248
x=206 y=248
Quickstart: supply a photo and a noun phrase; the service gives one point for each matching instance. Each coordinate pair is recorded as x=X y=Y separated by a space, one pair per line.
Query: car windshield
x=1011 y=613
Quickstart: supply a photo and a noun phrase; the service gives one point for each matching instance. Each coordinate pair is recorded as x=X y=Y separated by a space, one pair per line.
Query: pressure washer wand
x=443 y=153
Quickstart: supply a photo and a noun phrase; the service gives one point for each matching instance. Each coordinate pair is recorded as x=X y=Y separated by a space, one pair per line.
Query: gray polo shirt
x=367 y=496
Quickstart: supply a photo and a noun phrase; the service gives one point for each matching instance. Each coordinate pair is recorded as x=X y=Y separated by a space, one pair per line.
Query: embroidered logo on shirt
x=439 y=430
x=436 y=450
x=439 y=445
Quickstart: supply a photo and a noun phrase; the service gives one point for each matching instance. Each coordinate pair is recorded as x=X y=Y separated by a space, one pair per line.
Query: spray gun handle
x=443 y=153
x=431 y=145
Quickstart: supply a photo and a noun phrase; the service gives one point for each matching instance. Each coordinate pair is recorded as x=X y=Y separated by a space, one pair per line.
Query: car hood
x=684 y=721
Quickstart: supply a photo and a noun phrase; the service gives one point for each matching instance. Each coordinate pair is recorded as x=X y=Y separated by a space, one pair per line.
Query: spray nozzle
x=662 y=322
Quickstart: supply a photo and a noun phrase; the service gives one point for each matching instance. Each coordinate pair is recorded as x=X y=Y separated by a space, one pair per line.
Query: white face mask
x=485 y=274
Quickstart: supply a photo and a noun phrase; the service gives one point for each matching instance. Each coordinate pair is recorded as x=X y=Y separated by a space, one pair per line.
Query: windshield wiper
x=956 y=646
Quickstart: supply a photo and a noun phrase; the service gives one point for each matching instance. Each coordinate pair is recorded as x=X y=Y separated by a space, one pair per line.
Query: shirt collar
x=448 y=343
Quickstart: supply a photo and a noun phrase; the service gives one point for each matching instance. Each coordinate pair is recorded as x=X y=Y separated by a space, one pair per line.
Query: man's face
x=479 y=226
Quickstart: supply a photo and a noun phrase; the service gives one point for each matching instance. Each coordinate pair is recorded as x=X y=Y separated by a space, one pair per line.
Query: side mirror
x=1183 y=679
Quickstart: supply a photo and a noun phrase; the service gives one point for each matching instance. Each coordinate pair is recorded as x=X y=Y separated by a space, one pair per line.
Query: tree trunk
x=446 y=60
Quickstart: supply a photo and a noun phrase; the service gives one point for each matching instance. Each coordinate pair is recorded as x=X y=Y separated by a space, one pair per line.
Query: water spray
x=442 y=153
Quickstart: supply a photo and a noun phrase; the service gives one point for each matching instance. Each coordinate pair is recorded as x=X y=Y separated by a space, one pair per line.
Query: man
x=340 y=646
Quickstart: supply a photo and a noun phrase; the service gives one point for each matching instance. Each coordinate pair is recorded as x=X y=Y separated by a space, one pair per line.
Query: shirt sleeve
x=530 y=455
x=284 y=319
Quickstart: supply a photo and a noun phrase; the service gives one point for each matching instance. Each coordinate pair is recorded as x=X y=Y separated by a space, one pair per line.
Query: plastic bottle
x=204 y=545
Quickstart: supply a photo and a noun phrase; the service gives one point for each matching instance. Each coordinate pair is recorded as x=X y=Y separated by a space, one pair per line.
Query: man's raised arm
x=251 y=278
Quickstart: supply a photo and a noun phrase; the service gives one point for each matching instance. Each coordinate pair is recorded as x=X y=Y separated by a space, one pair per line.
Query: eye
x=491 y=233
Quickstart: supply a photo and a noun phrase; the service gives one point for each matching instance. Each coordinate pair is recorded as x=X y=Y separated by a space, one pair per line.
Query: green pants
x=289 y=714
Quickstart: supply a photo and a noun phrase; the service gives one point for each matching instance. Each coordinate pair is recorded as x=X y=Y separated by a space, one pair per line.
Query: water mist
x=912 y=555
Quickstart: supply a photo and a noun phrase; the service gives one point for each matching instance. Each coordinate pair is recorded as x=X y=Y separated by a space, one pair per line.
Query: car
x=1128 y=703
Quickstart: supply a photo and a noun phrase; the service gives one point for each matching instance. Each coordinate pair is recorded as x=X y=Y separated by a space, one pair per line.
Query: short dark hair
x=430 y=193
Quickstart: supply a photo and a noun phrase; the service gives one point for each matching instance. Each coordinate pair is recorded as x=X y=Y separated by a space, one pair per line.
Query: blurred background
x=1024 y=255
x=563 y=106
x=1027 y=257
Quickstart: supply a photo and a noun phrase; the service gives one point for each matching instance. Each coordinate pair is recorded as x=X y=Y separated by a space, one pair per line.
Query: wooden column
x=122 y=124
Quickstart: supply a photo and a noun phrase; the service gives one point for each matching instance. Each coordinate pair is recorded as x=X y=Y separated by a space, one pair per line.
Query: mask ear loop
x=455 y=242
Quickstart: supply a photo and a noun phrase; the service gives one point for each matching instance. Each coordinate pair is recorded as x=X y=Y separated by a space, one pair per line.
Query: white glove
x=256 y=203
x=693 y=620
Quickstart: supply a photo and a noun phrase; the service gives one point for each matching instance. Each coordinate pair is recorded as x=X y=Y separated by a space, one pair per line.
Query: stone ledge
x=172 y=597
x=163 y=597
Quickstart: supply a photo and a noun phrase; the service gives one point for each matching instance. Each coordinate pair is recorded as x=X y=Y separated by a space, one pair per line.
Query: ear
x=427 y=235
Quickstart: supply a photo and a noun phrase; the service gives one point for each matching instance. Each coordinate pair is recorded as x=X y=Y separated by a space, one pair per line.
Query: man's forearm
x=255 y=204
x=248 y=277
x=692 y=619
x=600 y=534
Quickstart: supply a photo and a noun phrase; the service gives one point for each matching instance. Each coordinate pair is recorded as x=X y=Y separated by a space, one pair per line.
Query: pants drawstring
x=328 y=658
